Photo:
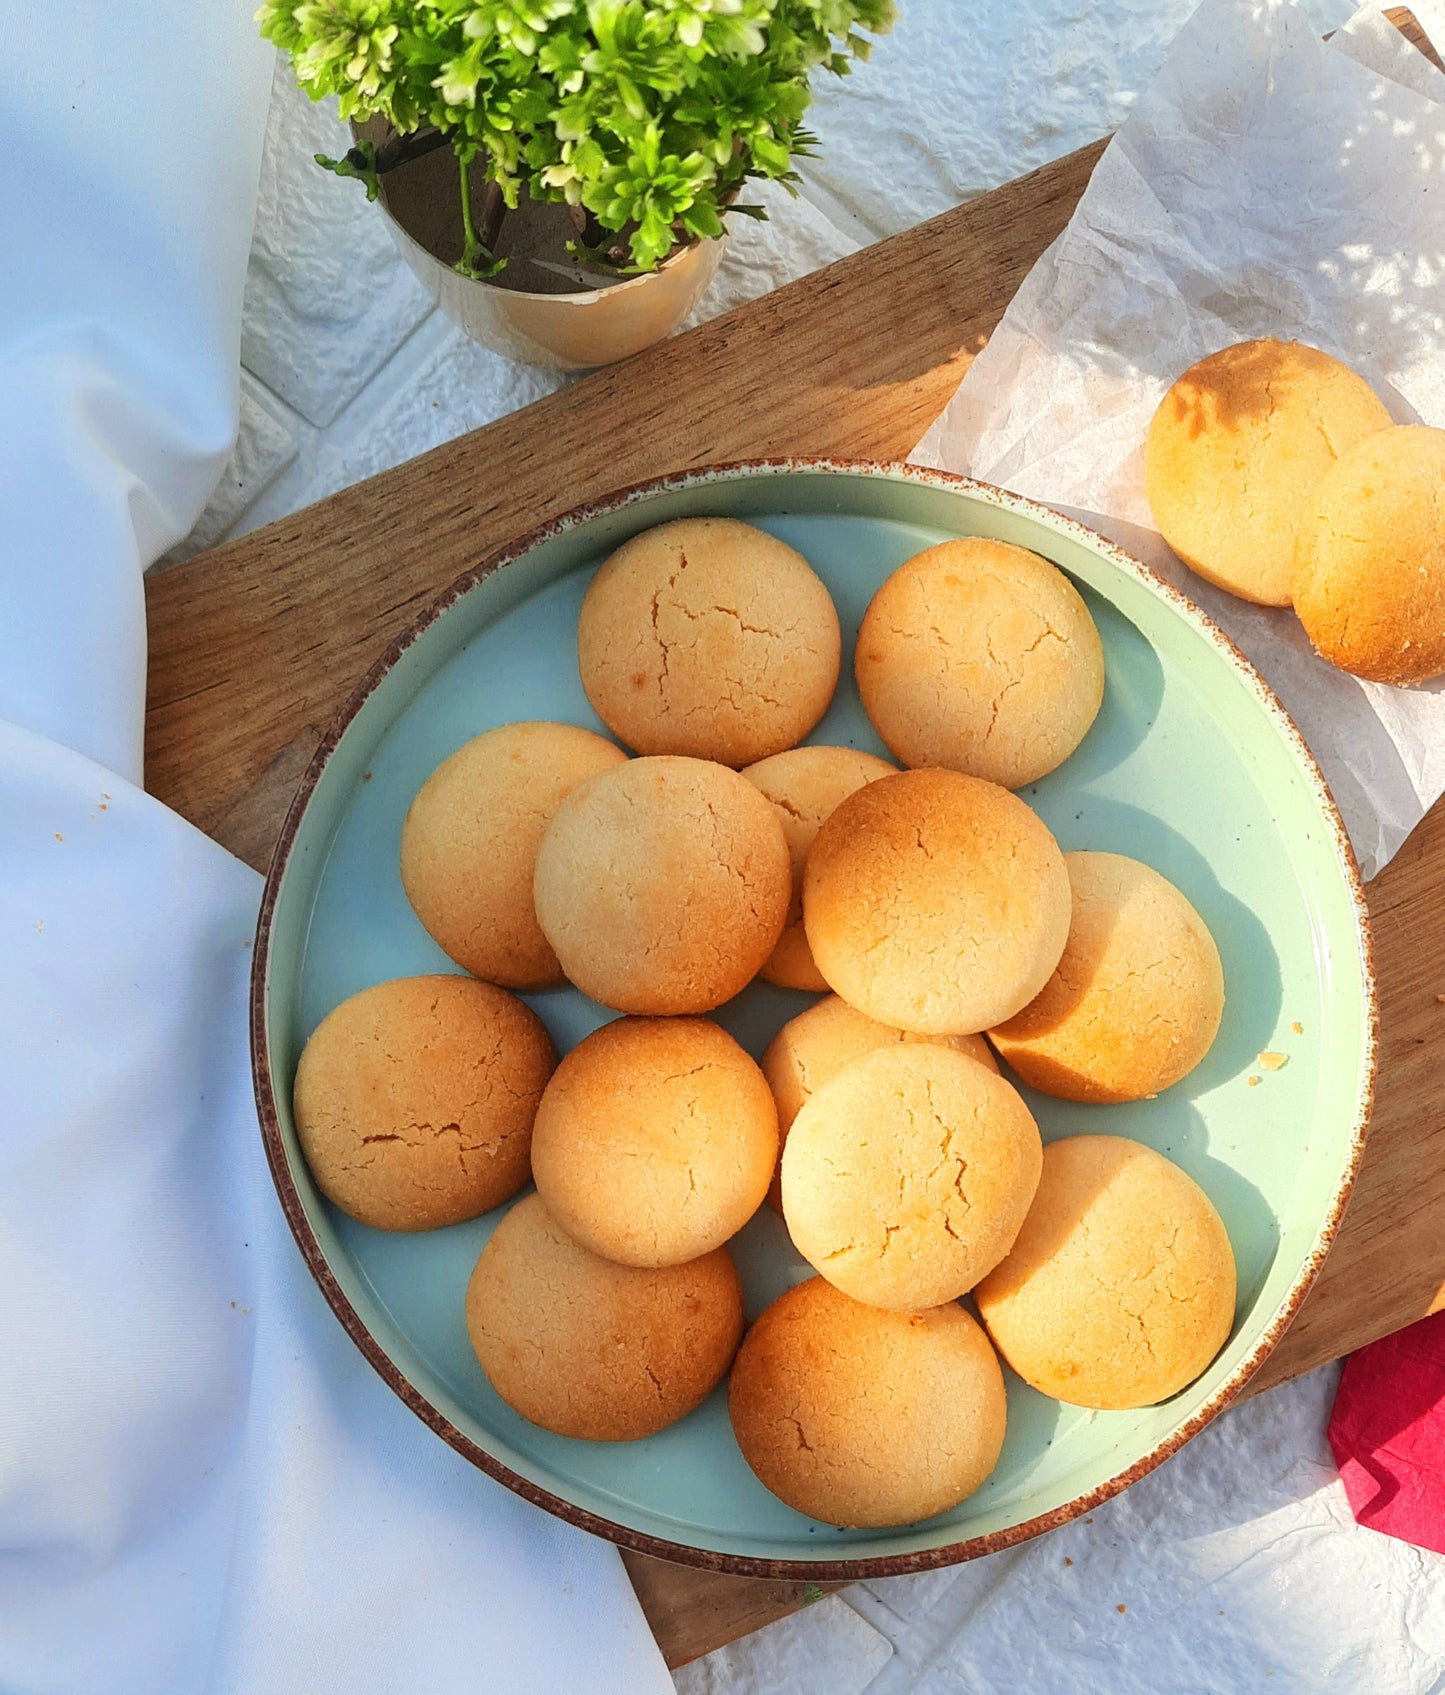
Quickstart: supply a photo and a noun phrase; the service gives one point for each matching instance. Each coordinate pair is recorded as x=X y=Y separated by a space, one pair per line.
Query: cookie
x=1369 y=583
x=709 y=638
x=818 y=1043
x=655 y=1140
x=1120 y=1288
x=982 y=657
x=1236 y=446
x=1136 y=1001
x=469 y=845
x=587 y=1348
x=864 y=1418
x=907 y=1175
x=663 y=885
x=936 y=902
x=414 y=1100
x=805 y=785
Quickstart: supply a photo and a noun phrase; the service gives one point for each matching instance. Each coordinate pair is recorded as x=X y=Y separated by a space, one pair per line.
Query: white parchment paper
x=1268 y=183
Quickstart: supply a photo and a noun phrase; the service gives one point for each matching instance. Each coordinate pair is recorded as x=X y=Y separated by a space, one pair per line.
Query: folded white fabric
x=203 y=1488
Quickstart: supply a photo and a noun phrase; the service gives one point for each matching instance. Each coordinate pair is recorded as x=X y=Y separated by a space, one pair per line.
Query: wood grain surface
x=256 y=644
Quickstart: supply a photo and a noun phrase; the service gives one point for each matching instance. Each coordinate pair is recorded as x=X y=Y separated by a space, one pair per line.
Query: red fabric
x=1388 y=1434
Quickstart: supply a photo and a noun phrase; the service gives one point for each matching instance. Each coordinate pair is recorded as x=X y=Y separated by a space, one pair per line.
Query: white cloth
x=203 y=1487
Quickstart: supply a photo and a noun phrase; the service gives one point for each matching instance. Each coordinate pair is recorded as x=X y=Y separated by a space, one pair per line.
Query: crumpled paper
x=1268 y=183
x=1388 y=1434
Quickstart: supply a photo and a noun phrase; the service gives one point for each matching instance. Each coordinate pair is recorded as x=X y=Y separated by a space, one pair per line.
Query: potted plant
x=557 y=172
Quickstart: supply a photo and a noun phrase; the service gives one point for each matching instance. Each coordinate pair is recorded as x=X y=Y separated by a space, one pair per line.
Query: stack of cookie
x=933 y=911
x=1277 y=473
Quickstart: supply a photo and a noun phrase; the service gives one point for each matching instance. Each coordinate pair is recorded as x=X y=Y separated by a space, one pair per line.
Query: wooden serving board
x=255 y=645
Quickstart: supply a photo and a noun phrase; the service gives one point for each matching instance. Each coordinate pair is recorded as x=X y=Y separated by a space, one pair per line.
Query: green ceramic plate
x=1192 y=766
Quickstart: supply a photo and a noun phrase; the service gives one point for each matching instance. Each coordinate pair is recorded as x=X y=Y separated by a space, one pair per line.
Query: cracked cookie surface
x=907 y=1175
x=710 y=638
x=805 y=786
x=982 y=657
x=818 y=1043
x=591 y=1349
x=470 y=840
x=1136 y=1000
x=1234 y=448
x=860 y=1417
x=655 y=1140
x=414 y=1100
x=1120 y=1288
x=936 y=902
x=1369 y=584
x=663 y=885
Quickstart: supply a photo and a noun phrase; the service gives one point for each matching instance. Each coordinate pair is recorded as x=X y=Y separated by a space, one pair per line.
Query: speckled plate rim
x=826 y=1570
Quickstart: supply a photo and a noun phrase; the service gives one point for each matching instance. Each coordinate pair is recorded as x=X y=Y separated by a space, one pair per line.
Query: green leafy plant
x=647 y=115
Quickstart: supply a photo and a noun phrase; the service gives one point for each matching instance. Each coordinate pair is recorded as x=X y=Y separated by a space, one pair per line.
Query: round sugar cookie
x=982 y=657
x=710 y=638
x=663 y=885
x=469 y=845
x=936 y=902
x=864 y=1418
x=1232 y=453
x=1120 y=1288
x=587 y=1348
x=655 y=1140
x=1369 y=582
x=818 y=1043
x=1135 y=1002
x=907 y=1175
x=414 y=1100
x=805 y=784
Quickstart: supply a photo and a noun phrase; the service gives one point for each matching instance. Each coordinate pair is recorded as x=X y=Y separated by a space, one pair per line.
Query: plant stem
x=468 y=228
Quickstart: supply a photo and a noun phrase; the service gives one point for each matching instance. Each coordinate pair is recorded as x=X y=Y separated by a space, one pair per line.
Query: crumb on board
x=1121 y=1608
x=1253 y=1082
x=40 y=926
x=1067 y=1560
x=59 y=837
x=1271 y=1061
x=1298 y=1028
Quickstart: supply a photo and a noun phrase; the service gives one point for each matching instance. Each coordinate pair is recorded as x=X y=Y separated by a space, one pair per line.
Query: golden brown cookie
x=1120 y=1288
x=1234 y=449
x=655 y=1140
x=1369 y=583
x=818 y=1043
x=981 y=657
x=469 y=845
x=663 y=885
x=588 y=1348
x=710 y=638
x=414 y=1100
x=907 y=1175
x=1135 y=1002
x=859 y=1417
x=936 y=902
x=805 y=785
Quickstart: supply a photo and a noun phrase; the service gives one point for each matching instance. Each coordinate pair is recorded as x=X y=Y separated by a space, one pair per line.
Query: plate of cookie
x=814 y=1018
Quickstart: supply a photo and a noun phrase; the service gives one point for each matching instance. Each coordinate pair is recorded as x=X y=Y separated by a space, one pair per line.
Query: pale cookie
x=587 y=1348
x=1369 y=582
x=858 y=1417
x=1234 y=449
x=1120 y=1289
x=1135 y=1002
x=469 y=845
x=710 y=638
x=805 y=785
x=663 y=885
x=936 y=902
x=414 y=1100
x=982 y=657
x=655 y=1140
x=818 y=1043
x=907 y=1175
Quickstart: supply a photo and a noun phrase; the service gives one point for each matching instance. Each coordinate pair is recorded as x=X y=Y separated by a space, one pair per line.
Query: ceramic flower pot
x=548 y=311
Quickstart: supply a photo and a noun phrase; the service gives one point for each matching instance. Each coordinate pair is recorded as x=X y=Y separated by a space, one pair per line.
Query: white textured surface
x=1238 y=1564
